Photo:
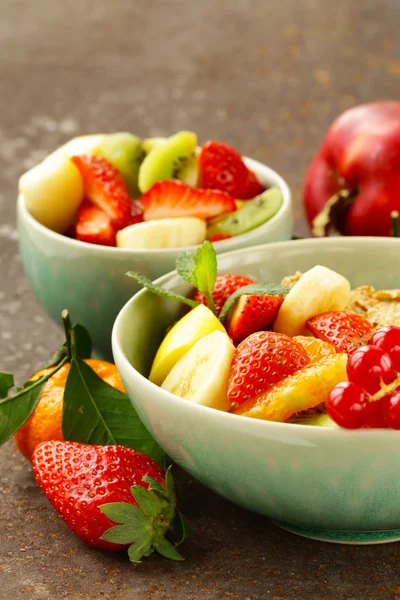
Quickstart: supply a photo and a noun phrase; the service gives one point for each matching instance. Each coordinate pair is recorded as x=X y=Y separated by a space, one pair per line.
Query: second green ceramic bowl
x=90 y=281
x=331 y=484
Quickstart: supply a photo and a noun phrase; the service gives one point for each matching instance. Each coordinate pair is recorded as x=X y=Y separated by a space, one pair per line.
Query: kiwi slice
x=309 y=418
x=173 y=159
x=125 y=152
x=150 y=143
x=250 y=215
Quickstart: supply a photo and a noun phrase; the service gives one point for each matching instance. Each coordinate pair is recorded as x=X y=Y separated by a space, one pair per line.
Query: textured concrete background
x=266 y=76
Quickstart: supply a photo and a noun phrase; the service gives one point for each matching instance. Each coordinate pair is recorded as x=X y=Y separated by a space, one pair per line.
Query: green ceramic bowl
x=90 y=280
x=330 y=484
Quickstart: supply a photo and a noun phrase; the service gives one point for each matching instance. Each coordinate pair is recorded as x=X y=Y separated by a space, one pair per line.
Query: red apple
x=353 y=183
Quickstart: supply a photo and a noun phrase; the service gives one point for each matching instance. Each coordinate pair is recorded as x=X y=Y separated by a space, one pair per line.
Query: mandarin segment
x=305 y=389
x=315 y=348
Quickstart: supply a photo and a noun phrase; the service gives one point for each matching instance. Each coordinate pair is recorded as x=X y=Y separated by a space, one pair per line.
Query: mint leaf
x=265 y=289
x=6 y=383
x=200 y=270
x=15 y=410
x=97 y=413
x=160 y=291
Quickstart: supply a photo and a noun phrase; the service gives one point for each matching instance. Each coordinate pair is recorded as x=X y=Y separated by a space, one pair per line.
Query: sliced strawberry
x=218 y=237
x=252 y=187
x=251 y=313
x=260 y=361
x=346 y=331
x=137 y=215
x=225 y=286
x=94 y=225
x=221 y=167
x=172 y=198
x=105 y=187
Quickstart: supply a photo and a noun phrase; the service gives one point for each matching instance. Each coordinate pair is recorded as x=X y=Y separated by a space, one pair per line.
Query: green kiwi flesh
x=125 y=152
x=250 y=215
x=173 y=159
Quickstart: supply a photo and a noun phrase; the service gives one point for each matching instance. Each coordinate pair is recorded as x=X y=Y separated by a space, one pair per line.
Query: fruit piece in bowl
x=87 y=254
x=262 y=464
x=130 y=180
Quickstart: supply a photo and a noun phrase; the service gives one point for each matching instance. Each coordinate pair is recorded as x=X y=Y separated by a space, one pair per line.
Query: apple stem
x=394 y=215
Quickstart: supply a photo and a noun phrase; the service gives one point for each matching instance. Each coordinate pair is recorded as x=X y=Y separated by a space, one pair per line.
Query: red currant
x=392 y=410
x=374 y=416
x=367 y=366
x=346 y=405
x=388 y=339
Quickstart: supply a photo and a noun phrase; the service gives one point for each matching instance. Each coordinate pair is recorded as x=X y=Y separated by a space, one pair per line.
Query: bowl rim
x=259 y=168
x=257 y=425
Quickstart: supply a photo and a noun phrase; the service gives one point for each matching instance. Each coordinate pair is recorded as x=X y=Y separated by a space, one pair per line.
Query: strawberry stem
x=144 y=525
x=394 y=215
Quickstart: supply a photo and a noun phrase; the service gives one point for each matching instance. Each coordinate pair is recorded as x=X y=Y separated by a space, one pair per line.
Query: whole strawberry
x=225 y=286
x=95 y=487
x=260 y=361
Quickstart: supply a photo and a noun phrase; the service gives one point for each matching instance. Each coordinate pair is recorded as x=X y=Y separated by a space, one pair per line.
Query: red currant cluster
x=371 y=397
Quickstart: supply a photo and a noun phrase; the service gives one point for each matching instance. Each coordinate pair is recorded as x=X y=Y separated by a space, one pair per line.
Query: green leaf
x=165 y=548
x=156 y=487
x=200 y=269
x=122 y=534
x=6 y=383
x=160 y=291
x=169 y=483
x=15 y=410
x=265 y=289
x=141 y=548
x=83 y=345
x=122 y=512
x=181 y=528
x=97 y=413
x=151 y=504
x=83 y=341
x=55 y=359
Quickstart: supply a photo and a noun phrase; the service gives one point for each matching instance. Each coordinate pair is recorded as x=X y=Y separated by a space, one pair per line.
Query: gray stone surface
x=266 y=76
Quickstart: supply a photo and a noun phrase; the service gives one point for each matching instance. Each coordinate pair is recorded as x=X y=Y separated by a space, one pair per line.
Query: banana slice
x=201 y=376
x=195 y=325
x=163 y=233
x=53 y=191
x=317 y=291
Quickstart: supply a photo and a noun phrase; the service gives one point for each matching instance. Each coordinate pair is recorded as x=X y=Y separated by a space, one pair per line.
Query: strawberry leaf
x=142 y=547
x=150 y=504
x=97 y=413
x=160 y=291
x=165 y=548
x=122 y=512
x=200 y=270
x=6 y=383
x=265 y=289
x=180 y=526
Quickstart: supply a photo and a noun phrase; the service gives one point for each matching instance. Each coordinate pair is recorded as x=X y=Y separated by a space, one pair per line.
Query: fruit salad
x=308 y=350
x=119 y=190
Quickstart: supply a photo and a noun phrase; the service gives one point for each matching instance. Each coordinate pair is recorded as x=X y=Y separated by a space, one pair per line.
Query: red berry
x=346 y=405
x=225 y=285
x=374 y=416
x=392 y=410
x=367 y=366
x=388 y=339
